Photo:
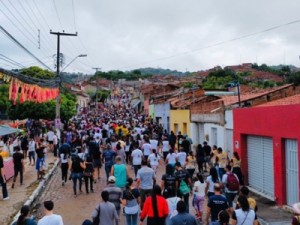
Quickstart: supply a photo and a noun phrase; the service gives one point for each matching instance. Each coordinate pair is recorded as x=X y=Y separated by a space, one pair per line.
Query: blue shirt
x=109 y=156
x=183 y=218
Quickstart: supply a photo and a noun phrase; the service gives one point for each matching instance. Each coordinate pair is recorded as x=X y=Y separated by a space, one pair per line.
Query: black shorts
x=97 y=163
x=50 y=142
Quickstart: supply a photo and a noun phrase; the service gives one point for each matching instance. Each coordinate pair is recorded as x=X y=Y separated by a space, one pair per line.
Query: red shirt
x=162 y=207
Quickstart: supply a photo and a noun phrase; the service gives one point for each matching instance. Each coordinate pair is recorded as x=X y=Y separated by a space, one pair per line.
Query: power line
x=58 y=17
x=25 y=35
x=74 y=21
x=37 y=20
x=5 y=58
x=21 y=46
x=216 y=44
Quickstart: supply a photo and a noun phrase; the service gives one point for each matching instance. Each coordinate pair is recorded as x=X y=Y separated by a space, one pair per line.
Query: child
x=199 y=196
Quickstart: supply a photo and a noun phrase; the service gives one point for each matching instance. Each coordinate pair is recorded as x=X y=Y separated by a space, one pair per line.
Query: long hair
x=214 y=174
x=236 y=155
x=156 y=191
x=24 y=212
x=243 y=202
x=128 y=193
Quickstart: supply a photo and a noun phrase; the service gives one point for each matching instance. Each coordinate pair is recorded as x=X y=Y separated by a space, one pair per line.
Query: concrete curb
x=38 y=190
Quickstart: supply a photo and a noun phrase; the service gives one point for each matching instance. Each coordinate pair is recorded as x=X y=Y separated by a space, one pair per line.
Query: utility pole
x=58 y=34
x=97 y=86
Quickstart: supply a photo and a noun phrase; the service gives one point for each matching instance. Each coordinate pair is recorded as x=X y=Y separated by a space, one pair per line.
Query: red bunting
x=28 y=92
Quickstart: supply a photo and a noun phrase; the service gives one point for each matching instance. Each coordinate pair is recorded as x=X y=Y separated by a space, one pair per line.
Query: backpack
x=232 y=182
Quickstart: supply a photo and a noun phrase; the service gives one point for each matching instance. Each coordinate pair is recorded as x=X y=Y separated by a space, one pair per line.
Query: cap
x=111 y=179
x=296 y=207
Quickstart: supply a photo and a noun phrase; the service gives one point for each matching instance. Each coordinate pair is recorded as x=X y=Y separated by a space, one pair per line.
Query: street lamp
x=81 y=55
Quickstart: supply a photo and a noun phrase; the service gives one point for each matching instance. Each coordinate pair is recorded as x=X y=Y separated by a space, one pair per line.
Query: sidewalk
x=20 y=194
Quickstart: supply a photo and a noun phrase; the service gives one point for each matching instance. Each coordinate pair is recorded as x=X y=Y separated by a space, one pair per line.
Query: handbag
x=96 y=220
x=87 y=174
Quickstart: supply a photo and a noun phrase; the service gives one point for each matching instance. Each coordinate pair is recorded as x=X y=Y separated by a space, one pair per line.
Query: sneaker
x=13 y=185
x=5 y=199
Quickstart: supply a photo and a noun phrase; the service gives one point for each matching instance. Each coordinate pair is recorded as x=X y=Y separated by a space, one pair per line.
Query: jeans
x=107 y=171
x=75 y=177
x=16 y=171
x=185 y=199
x=4 y=189
x=31 y=156
x=88 y=180
x=136 y=168
x=64 y=171
x=230 y=198
x=221 y=172
x=131 y=219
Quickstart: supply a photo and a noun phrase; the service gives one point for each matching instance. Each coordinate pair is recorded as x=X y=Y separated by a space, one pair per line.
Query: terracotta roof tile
x=291 y=100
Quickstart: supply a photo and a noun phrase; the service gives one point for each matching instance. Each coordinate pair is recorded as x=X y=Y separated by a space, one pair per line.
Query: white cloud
x=128 y=34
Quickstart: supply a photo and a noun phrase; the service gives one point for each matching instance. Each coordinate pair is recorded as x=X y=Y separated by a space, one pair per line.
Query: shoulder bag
x=96 y=220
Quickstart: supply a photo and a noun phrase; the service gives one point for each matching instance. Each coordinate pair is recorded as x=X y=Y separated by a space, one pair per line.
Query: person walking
x=25 y=218
x=183 y=184
x=172 y=201
x=131 y=200
x=211 y=180
x=3 y=178
x=244 y=215
x=137 y=156
x=115 y=194
x=168 y=182
x=50 y=217
x=191 y=163
x=223 y=218
x=108 y=158
x=19 y=167
x=216 y=203
x=145 y=181
x=236 y=167
x=155 y=208
x=76 y=167
x=231 y=184
x=64 y=165
x=199 y=196
x=31 y=151
x=120 y=172
x=105 y=211
x=183 y=217
x=153 y=160
x=88 y=174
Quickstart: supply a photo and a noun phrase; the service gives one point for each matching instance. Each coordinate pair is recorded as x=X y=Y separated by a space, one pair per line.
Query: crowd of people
x=119 y=139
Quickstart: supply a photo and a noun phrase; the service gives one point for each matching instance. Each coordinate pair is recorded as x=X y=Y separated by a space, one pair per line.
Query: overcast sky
x=184 y=35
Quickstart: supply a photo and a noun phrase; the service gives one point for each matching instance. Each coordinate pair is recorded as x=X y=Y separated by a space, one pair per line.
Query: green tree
x=4 y=101
x=35 y=71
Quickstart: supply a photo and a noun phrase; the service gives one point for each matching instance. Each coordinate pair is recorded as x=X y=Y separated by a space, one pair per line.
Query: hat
x=111 y=179
x=296 y=207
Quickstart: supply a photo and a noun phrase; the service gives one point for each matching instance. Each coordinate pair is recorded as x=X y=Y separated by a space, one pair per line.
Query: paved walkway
x=20 y=194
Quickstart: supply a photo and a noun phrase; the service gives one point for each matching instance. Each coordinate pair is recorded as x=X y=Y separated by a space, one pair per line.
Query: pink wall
x=278 y=122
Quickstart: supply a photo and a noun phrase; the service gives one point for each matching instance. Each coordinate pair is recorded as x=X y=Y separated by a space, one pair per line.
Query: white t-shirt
x=153 y=159
x=51 y=220
x=171 y=157
x=153 y=144
x=50 y=135
x=31 y=146
x=172 y=204
x=199 y=188
x=137 y=155
x=147 y=149
x=165 y=146
x=211 y=184
x=181 y=157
